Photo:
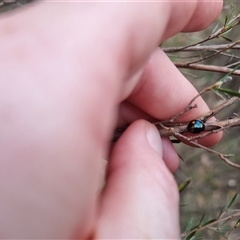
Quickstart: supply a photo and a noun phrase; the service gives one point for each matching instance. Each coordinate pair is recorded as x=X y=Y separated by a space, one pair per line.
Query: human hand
x=65 y=68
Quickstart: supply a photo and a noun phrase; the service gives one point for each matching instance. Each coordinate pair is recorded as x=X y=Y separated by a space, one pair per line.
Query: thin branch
x=219 y=108
x=209 y=48
x=231 y=24
x=203 y=67
x=215 y=53
x=212 y=223
x=233 y=64
x=222 y=156
x=231 y=56
x=171 y=128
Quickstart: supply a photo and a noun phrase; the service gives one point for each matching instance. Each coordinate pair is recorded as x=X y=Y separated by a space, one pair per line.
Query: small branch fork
x=177 y=129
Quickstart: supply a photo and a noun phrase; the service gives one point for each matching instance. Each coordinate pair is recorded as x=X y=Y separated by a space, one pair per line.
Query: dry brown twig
x=204 y=67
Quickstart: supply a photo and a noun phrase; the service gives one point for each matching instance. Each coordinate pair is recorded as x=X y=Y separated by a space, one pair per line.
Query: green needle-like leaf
x=189 y=237
x=228 y=91
x=183 y=185
x=233 y=200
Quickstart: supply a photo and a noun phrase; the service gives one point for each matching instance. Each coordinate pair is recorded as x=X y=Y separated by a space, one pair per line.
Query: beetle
x=196 y=126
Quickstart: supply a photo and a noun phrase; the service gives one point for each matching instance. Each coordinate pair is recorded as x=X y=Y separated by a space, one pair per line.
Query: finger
x=140 y=191
x=200 y=14
x=129 y=113
x=205 y=13
x=170 y=155
x=163 y=91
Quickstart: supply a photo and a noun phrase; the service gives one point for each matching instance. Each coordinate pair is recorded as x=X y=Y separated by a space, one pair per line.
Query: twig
x=215 y=53
x=212 y=223
x=210 y=48
x=221 y=156
x=206 y=68
x=219 y=108
x=233 y=64
x=171 y=128
x=230 y=25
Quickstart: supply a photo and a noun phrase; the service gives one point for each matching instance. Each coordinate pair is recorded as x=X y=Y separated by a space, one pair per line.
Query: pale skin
x=65 y=69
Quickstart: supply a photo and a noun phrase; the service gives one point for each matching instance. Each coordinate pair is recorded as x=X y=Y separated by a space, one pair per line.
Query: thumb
x=140 y=199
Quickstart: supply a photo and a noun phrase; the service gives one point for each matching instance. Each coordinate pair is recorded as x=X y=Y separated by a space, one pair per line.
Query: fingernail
x=154 y=139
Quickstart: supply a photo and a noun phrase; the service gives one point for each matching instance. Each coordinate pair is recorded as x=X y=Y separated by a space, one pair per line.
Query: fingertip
x=141 y=136
x=154 y=139
x=140 y=145
x=205 y=13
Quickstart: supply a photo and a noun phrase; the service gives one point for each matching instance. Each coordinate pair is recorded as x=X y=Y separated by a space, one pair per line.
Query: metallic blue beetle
x=196 y=126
